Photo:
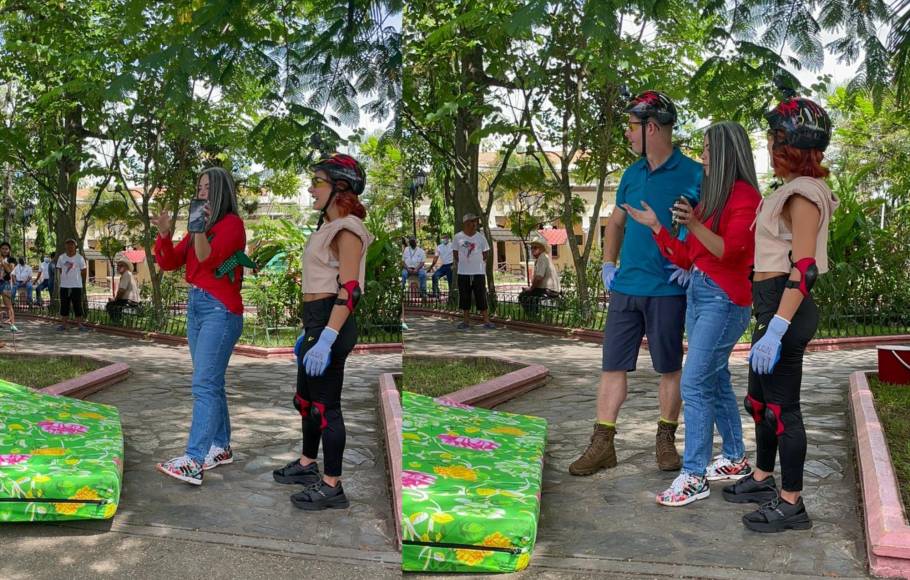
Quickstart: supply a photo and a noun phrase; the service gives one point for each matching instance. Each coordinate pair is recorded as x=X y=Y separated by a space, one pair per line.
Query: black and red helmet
x=340 y=167
x=804 y=123
x=653 y=105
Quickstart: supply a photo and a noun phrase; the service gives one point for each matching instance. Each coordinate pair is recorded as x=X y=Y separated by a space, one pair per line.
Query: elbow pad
x=808 y=272
x=354 y=294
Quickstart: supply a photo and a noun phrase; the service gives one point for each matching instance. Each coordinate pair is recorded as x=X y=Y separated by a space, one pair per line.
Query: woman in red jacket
x=214 y=318
x=719 y=249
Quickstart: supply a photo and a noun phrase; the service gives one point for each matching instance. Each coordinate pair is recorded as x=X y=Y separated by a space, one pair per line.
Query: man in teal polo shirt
x=647 y=297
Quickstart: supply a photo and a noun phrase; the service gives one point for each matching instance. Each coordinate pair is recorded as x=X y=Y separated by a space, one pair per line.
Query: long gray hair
x=222 y=194
x=729 y=159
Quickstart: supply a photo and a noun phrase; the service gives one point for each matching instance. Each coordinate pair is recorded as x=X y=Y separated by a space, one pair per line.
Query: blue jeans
x=421 y=277
x=28 y=290
x=212 y=331
x=44 y=285
x=444 y=270
x=713 y=324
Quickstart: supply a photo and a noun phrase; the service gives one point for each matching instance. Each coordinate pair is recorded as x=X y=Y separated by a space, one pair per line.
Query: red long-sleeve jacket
x=227 y=237
x=731 y=271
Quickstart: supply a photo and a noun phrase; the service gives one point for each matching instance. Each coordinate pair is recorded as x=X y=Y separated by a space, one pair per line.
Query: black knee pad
x=781 y=417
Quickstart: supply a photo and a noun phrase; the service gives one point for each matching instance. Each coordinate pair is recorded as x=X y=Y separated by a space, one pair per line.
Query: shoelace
x=682 y=481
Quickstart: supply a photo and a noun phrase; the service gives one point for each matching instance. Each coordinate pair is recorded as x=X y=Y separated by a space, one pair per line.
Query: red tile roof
x=554 y=236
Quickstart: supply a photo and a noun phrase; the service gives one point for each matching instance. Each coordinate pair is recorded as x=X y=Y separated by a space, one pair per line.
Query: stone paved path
x=238 y=504
x=610 y=520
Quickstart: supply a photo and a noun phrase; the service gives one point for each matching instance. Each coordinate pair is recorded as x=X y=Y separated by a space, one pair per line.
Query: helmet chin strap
x=325 y=208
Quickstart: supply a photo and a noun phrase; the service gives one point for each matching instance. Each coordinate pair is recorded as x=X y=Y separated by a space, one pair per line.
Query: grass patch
x=437 y=377
x=892 y=403
x=38 y=372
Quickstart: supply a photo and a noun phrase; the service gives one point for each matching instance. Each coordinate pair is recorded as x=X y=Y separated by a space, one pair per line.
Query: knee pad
x=754 y=407
x=317 y=415
x=774 y=418
x=302 y=406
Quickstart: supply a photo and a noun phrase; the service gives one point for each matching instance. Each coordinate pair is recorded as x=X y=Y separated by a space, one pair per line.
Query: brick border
x=596 y=336
x=498 y=390
x=390 y=416
x=84 y=385
x=244 y=349
x=887 y=530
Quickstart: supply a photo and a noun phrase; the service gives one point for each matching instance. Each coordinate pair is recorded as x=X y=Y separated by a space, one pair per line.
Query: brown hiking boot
x=667 y=456
x=599 y=454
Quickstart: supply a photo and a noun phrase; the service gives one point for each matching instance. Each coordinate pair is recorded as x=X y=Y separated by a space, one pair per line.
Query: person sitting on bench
x=545 y=282
x=127 y=291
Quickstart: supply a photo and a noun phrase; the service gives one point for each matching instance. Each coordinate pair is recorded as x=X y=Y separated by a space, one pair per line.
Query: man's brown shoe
x=667 y=456
x=599 y=454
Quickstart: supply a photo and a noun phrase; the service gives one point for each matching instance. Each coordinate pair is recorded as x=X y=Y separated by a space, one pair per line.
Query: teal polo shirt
x=642 y=269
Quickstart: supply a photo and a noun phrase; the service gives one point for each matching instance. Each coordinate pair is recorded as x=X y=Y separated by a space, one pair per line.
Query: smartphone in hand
x=197 y=215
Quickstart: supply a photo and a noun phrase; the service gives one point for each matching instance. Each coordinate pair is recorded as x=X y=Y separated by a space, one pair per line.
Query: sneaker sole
x=754 y=497
x=687 y=501
x=333 y=503
x=772 y=528
x=733 y=477
x=183 y=478
x=216 y=464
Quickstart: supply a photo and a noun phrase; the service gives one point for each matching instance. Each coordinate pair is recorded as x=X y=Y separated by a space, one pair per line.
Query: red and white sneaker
x=722 y=468
x=184 y=468
x=218 y=456
x=685 y=489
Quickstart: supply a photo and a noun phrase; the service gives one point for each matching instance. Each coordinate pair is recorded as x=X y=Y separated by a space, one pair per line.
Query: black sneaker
x=320 y=496
x=748 y=490
x=778 y=515
x=293 y=472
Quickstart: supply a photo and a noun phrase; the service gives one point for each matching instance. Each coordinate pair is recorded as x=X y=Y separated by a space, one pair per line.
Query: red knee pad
x=319 y=409
x=302 y=405
x=775 y=416
x=755 y=408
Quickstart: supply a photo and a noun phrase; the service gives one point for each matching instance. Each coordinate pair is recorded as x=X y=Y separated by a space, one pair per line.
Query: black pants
x=71 y=298
x=779 y=391
x=530 y=298
x=115 y=307
x=472 y=285
x=318 y=399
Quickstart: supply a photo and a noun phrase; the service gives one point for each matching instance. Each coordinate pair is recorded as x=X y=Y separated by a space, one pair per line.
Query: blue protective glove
x=608 y=273
x=766 y=352
x=679 y=275
x=316 y=360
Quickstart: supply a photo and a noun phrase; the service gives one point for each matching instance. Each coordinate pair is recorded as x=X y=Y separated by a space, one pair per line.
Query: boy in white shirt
x=471 y=251
x=71 y=272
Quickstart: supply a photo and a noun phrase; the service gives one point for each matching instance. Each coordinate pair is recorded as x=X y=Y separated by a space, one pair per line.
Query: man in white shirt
x=71 y=272
x=22 y=274
x=471 y=251
x=414 y=258
x=443 y=254
x=545 y=281
x=127 y=291
x=45 y=279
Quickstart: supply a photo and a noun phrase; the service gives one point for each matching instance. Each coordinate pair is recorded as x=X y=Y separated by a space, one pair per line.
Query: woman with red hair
x=334 y=264
x=791 y=238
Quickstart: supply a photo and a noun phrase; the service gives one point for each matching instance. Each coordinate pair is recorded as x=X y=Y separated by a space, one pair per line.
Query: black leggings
x=318 y=399
x=778 y=392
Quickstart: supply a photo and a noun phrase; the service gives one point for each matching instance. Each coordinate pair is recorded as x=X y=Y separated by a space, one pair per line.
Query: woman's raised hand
x=162 y=221
x=645 y=217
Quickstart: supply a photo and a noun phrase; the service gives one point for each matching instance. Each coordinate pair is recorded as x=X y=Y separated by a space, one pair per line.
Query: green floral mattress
x=471 y=486
x=60 y=458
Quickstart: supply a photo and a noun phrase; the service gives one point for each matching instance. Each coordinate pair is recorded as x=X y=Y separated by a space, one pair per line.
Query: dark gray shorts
x=661 y=318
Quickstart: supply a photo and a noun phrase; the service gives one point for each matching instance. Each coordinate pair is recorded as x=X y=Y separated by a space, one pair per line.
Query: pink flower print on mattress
x=57 y=428
x=468 y=442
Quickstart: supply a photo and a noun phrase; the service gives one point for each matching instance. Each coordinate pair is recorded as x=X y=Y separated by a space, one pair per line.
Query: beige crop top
x=773 y=239
x=320 y=263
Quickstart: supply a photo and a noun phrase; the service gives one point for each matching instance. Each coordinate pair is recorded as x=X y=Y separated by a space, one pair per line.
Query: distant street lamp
x=417 y=183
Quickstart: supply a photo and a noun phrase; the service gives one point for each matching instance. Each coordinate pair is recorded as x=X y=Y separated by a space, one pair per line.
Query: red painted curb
x=887 y=532
x=92 y=382
x=816 y=345
x=244 y=349
x=390 y=418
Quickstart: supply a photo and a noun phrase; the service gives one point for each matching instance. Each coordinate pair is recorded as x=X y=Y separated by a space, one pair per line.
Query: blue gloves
x=766 y=352
x=316 y=360
x=608 y=273
x=679 y=275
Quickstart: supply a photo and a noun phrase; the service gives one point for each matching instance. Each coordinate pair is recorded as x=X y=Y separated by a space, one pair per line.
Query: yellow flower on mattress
x=508 y=431
x=523 y=562
x=109 y=510
x=88 y=415
x=40 y=479
x=71 y=508
x=49 y=451
x=456 y=472
x=497 y=540
x=411 y=436
x=470 y=557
